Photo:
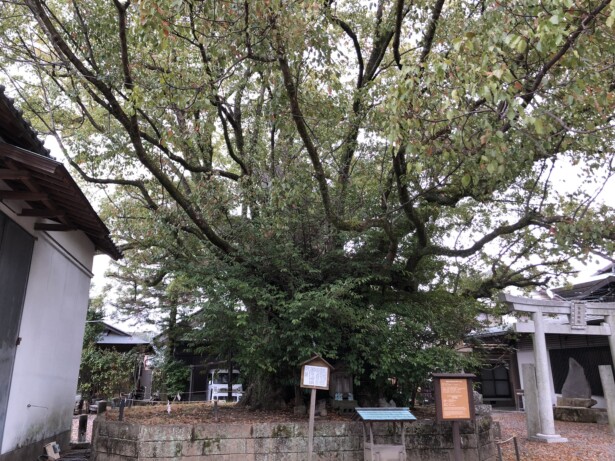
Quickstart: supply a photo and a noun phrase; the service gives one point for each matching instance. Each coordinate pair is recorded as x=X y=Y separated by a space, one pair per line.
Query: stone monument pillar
x=576 y=391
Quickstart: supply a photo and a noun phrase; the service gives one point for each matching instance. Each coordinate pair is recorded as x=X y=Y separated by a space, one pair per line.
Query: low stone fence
x=333 y=440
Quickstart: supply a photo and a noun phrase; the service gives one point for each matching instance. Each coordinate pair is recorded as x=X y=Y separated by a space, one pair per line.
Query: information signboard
x=315 y=373
x=455 y=404
x=315 y=377
x=454 y=399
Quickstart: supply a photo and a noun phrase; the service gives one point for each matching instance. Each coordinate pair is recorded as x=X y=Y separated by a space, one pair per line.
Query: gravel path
x=586 y=442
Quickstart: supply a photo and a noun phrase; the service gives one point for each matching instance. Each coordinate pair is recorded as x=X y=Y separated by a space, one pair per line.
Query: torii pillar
x=577 y=325
x=610 y=321
x=543 y=383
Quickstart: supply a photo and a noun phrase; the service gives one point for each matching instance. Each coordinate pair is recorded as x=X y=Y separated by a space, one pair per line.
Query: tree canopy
x=340 y=177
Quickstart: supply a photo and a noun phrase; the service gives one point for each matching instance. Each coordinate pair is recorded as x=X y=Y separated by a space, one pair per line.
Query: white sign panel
x=315 y=376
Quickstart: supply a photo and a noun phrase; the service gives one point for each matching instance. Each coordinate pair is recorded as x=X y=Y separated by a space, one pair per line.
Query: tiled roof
x=15 y=130
x=29 y=175
x=114 y=336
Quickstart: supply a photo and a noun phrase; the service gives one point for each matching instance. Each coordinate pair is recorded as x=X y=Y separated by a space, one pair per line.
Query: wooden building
x=49 y=234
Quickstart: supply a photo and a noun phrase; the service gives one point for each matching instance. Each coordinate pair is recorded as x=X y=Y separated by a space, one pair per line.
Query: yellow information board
x=455 y=404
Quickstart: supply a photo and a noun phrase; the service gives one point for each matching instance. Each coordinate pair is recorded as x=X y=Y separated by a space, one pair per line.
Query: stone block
x=488 y=436
x=424 y=427
x=214 y=447
x=100 y=426
x=327 y=456
x=244 y=457
x=222 y=431
x=160 y=449
x=349 y=443
x=283 y=457
x=265 y=430
x=333 y=428
x=482 y=409
x=577 y=414
x=261 y=445
x=233 y=446
x=166 y=433
x=575 y=402
x=301 y=444
x=484 y=423
x=283 y=445
x=497 y=430
x=102 y=445
x=122 y=447
x=488 y=452
x=108 y=457
x=469 y=441
x=602 y=418
x=119 y=430
x=353 y=456
x=320 y=443
x=427 y=441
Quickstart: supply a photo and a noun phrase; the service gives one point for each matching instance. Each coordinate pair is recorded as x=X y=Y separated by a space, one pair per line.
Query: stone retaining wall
x=340 y=441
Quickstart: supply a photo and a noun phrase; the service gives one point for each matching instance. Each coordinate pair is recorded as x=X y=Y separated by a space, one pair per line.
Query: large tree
x=334 y=175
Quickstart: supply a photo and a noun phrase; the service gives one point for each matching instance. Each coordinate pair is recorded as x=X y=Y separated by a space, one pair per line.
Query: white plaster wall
x=47 y=360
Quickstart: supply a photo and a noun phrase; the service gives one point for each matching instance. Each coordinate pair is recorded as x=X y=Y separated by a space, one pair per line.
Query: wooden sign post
x=454 y=402
x=314 y=375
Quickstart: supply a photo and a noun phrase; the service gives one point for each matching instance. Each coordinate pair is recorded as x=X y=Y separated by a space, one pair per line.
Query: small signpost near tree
x=315 y=375
x=454 y=402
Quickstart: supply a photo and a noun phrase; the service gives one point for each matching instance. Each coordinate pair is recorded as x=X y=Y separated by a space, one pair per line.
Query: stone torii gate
x=577 y=325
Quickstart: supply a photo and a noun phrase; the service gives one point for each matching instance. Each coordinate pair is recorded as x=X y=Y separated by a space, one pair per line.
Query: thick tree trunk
x=263 y=393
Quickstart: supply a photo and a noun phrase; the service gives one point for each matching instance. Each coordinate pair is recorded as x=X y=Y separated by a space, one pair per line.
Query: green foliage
x=341 y=177
x=171 y=378
x=104 y=372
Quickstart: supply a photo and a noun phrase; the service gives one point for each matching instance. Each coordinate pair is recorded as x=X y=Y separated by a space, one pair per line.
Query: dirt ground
x=194 y=413
x=586 y=442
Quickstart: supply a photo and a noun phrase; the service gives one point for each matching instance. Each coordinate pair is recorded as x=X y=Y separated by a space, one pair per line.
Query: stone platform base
x=343 y=406
x=579 y=415
x=556 y=438
x=575 y=402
